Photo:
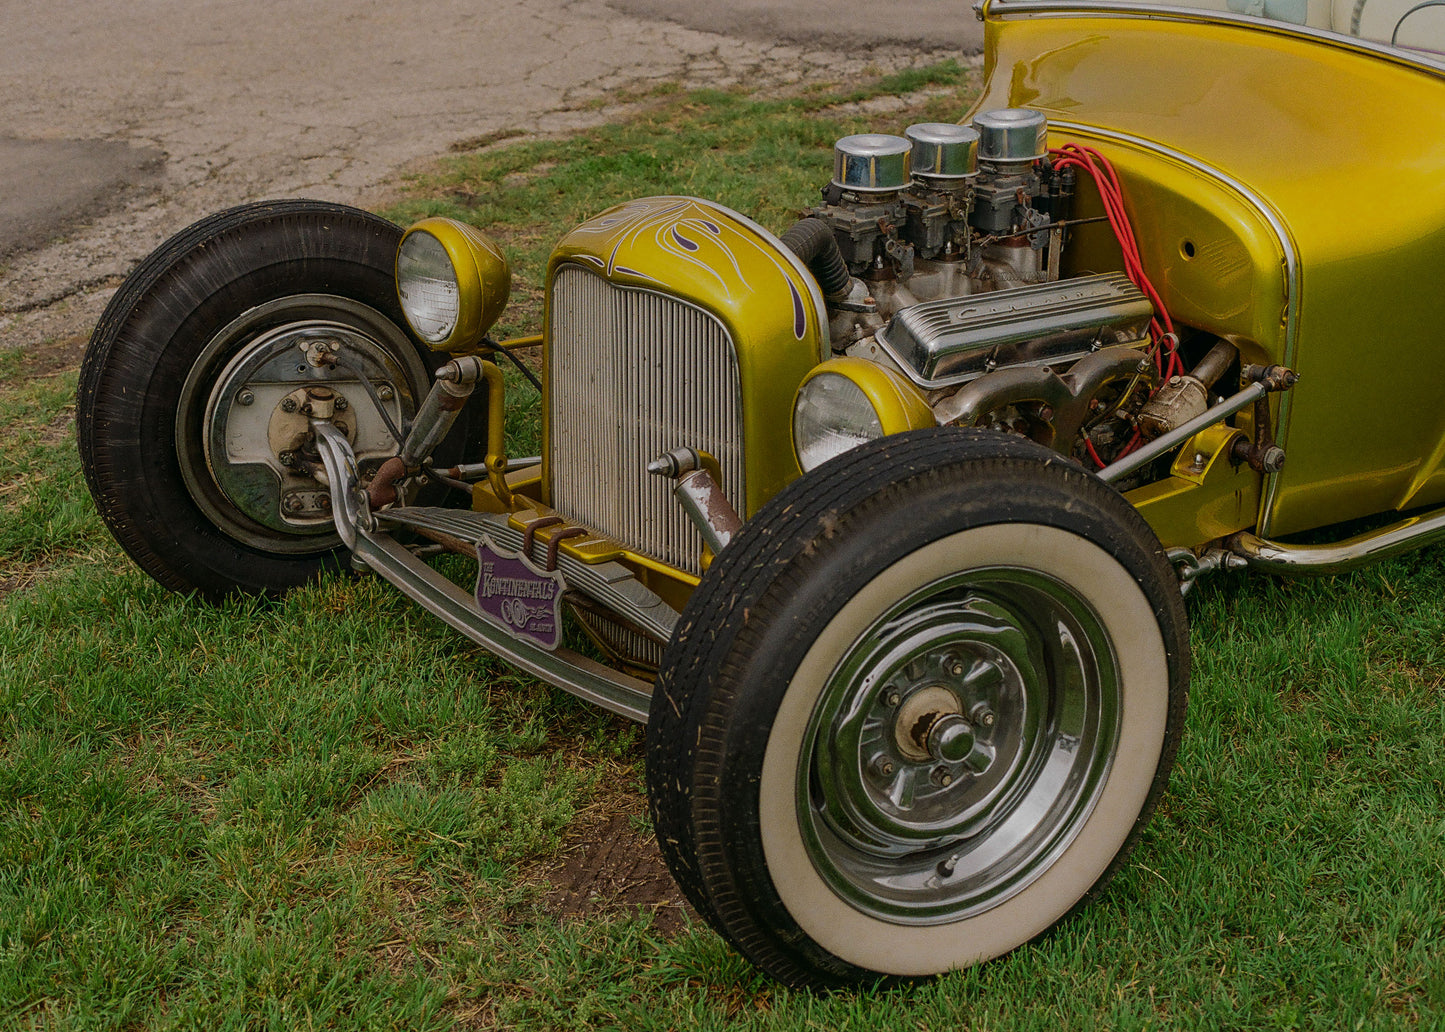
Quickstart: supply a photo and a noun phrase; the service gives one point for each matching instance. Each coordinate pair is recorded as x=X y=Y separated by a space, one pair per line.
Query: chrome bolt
x=385 y=393
x=986 y=718
x=341 y=403
x=882 y=766
x=957 y=669
x=245 y=398
x=892 y=697
x=288 y=404
x=1199 y=458
x=288 y=459
x=942 y=777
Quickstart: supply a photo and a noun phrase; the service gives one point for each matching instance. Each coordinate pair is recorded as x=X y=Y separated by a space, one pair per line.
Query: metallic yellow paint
x=519 y=343
x=484 y=280
x=525 y=505
x=1200 y=500
x=897 y=403
x=496 y=456
x=1339 y=147
x=738 y=272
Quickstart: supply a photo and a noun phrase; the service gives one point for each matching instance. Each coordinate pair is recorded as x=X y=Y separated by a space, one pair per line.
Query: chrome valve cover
x=952 y=341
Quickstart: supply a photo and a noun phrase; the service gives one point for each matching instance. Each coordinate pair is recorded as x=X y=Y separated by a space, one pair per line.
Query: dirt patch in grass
x=53 y=357
x=18 y=578
x=61 y=428
x=608 y=867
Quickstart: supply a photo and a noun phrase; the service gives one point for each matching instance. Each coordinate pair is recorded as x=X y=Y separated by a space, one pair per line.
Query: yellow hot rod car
x=883 y=525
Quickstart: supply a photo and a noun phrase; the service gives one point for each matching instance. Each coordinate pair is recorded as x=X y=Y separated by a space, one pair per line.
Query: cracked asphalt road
x=182 y=108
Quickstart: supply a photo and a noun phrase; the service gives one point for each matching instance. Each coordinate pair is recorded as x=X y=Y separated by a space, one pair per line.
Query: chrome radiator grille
x=633 y=374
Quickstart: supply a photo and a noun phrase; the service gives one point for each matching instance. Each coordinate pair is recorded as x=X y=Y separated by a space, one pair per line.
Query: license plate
x=516 y=595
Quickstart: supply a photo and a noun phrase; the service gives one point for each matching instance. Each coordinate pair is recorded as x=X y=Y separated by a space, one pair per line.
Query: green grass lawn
x=334 y=812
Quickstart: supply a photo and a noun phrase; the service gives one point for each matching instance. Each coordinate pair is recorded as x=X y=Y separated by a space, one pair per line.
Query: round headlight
x=452 y=281
x=427 y=285
x=832 y=415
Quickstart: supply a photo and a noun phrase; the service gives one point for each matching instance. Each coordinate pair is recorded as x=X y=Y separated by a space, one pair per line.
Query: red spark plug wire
x=1161 y=327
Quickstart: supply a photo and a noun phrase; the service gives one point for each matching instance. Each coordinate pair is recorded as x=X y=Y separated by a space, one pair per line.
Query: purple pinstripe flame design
x=684 y=241
x=800 y=315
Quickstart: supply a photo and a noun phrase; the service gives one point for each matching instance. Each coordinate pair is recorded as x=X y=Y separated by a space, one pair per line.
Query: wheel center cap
x=950 y=739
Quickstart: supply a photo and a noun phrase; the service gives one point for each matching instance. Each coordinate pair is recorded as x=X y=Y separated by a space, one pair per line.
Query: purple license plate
x=517 y=596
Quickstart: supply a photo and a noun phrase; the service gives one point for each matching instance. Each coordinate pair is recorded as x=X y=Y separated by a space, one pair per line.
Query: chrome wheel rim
x=240 y=398
x=959 y=745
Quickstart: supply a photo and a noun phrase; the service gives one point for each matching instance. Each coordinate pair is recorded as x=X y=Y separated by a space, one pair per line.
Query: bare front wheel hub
x=244 y=440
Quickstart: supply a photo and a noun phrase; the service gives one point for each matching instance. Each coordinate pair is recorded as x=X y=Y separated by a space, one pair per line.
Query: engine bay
x=942 y=263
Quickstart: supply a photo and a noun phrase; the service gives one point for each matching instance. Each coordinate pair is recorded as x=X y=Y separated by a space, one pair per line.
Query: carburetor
x=979 y=194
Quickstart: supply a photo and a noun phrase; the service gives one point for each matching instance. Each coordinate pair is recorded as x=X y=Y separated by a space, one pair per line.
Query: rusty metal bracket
x=530 y=534
x=1263 y=455
x=556 y=540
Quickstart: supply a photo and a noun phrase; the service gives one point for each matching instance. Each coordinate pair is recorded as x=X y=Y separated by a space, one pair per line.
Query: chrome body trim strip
x=1417 y=60
x=1343 y=556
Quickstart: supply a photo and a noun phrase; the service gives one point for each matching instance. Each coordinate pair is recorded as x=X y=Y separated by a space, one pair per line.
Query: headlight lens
x=428 y=288
x=832 y=415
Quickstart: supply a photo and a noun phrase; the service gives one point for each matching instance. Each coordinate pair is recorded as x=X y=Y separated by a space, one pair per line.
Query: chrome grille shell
x=633 y=373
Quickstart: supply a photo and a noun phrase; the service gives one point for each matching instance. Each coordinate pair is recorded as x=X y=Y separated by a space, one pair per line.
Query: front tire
x=918 y=710
x=192 y=461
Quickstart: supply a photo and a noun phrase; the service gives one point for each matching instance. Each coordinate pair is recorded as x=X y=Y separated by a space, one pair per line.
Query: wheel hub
x=245 y=413
x=945 y=739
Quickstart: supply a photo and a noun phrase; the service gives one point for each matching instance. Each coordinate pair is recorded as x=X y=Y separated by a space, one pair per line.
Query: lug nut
x=882 y=766
x=892 y=697
x=942 y=777
x=986 y=718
